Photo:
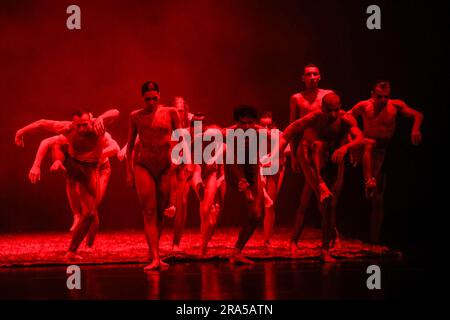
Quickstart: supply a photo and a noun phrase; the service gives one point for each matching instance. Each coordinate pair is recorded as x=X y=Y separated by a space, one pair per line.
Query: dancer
x=150 y=168
x=85 y=140
x=110 y=150
x=246 y=180
x=329 y=129
x=302 y=104
x=272 y=185
x=379 y=119
x=64 y=127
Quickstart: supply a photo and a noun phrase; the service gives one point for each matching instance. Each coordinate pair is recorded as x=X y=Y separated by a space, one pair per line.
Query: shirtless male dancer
x=34 y=175
x=302 y=104
x=85 y=140
x=246 y=179
x=379 y=120
x=111 y=148
x=151 y=172
x=329 y=138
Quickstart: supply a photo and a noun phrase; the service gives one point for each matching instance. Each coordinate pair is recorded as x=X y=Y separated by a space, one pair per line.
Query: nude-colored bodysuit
x=154 y=149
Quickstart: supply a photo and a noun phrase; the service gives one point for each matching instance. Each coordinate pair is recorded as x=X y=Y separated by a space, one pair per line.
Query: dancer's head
x=245 y=116
x=311 y=76
x=82 y=121
x=182 y=107
x=150 y=93
x=381 y=92
x=266 y=120
x=331 y=105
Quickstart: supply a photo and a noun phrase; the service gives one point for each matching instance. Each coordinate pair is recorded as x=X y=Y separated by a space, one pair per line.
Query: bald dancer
x=329 y=128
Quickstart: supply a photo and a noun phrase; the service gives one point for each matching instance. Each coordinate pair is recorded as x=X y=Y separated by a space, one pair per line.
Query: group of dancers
x=320 y=137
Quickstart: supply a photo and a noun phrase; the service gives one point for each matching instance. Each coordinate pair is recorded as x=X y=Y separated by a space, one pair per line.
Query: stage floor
x=119 y=247
x=32 y=268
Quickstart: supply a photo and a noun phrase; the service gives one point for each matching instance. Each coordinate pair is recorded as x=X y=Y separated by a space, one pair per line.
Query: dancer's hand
x=339 y=155
x=35 y=174
x=416 y=137
x=57 y=166
x=99 y=127
x=19 y=139
x=243 y=184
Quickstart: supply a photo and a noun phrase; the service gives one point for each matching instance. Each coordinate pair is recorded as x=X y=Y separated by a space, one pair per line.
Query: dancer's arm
x=406 y=111
x=54 y=126
x=35 y=171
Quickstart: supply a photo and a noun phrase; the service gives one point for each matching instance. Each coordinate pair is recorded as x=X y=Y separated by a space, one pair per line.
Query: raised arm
x=105 y=118
x=35 y=171
x=54 y=126
x=405 y=110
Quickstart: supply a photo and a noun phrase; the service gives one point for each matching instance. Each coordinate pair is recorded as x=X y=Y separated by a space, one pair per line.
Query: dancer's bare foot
x=293 y=247
x=215 y=209
x=238 y=258
x=370 y=187
x=89 y=249
x=203 y=251
x=71 y=256
x=336 y=240
x=76 y=219
x=170 y=212
x=326 y=257
x=176 y=248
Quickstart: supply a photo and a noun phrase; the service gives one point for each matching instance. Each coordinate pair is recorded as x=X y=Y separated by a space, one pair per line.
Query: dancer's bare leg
x=182 y=191
x=73 y=197
x=377 y=213
x=269 y=216
x=88 y=213
x=146 y=189
x=255 y=214
x=370 y=182
x=326 y=200
x=105 y=175
x=306 y=199
x=164 y=186
x=206 y=210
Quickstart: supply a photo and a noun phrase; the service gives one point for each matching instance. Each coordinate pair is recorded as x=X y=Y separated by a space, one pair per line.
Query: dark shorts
x=84 y=173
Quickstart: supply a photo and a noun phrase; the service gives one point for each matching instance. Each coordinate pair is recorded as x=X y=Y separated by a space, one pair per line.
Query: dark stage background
x=219 y=54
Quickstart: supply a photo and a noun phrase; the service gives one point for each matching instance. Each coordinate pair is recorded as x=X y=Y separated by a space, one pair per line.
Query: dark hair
x=310 y=65
x=81 y=112
x=266 y=114
x=383 y=84
x=149 y=86
x=244 y=110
